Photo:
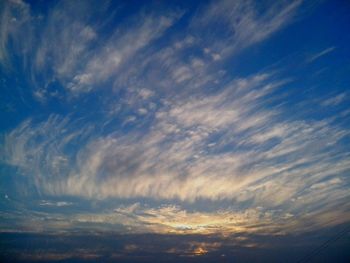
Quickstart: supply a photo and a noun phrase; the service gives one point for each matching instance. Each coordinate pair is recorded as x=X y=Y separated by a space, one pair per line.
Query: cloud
x=118 y=50
x=259 y=156
x=245 y=23
x=15 y=17
x=167 y=122
x=69 y=49
x=175 y=220
x=58 y=204
x=333 y=101
x=320 y=54
x=164 y=248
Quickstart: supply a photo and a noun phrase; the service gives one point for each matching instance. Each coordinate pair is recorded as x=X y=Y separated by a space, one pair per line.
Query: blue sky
x=215 y=118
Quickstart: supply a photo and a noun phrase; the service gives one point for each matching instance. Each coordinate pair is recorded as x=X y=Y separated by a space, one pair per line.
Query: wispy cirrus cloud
x=223 y=146
x=333 y=101
x=246 y=24
x=320 y=54
x=15 y=17
x=70 y=50
x=157 y=114
x=118 y=51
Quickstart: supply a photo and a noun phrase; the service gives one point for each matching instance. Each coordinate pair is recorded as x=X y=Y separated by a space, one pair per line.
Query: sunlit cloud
x=199 y=119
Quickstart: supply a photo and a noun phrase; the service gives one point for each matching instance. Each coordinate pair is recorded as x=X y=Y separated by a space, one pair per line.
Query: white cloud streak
x=334 y=101
x=15 y=19
x=245 y=24
x=320 y=54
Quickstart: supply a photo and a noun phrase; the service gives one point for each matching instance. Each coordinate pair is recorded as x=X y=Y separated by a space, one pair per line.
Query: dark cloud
x=114 y=247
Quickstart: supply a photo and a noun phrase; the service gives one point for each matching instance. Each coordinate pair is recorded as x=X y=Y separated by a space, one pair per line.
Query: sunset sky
x=175 y=131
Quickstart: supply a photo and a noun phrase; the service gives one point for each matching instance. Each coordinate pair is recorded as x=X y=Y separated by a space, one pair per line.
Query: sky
x=174 y=131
